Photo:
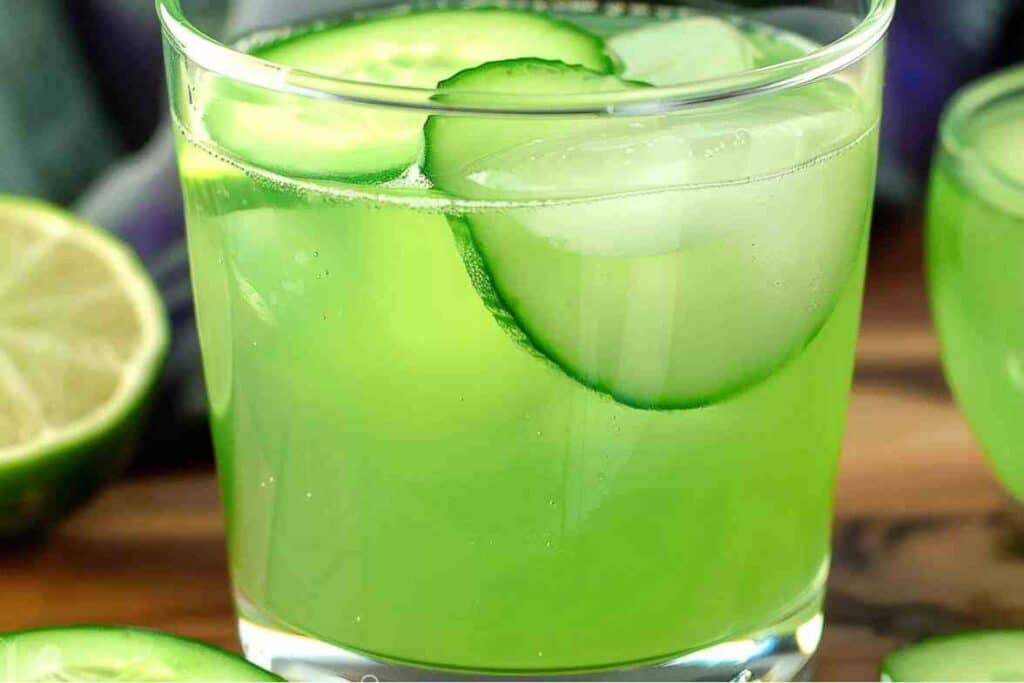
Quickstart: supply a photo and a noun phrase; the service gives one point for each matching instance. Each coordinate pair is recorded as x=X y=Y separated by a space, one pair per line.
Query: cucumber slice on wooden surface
x=111 y=653
x=973 y=656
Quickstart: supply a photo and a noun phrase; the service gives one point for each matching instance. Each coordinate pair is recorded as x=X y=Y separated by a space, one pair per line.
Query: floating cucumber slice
x=107 y=653
x=633 y=260
x=684 y=51
x=345 y=141
x=977 y=656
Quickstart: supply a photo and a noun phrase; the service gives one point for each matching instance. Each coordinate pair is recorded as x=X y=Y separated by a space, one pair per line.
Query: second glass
x=975 y=259
x=543 y=370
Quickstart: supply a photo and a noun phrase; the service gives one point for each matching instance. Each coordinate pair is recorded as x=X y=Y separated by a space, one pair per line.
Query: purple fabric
x=121 y=41
x=158 y=221
x=935 y=46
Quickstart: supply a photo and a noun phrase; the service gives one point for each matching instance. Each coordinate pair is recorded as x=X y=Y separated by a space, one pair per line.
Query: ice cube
x=684 y=51
x=630 y=163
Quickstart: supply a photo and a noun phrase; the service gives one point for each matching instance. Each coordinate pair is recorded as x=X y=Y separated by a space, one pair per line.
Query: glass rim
x=967 y=104
x=233 y=63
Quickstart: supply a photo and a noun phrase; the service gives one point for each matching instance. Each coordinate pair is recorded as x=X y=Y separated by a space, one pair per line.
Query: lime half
x=83 y=333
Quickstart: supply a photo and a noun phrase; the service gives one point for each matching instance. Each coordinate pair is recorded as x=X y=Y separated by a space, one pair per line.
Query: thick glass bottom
x=778 y=652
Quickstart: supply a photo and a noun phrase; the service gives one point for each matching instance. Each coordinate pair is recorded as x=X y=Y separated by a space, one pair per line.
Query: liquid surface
x=455 y=410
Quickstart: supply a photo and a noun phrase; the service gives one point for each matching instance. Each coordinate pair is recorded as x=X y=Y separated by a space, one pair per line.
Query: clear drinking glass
x=975 y=257
x=541 y=371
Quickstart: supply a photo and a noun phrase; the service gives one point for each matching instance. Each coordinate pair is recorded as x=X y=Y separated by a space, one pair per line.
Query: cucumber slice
x=108 y=653
x=344 y=141
x=652 y=275
x=683 y=51
x=976 y=656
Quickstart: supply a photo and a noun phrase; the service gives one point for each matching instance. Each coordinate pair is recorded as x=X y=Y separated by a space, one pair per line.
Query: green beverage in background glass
x=543 y=370
x=976 y=263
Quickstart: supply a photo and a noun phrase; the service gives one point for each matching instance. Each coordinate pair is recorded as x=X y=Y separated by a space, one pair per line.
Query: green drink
x=547 y=373
x=975 y=251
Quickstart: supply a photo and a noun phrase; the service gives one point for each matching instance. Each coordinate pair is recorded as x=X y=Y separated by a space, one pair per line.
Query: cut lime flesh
x=82 y=336
x=353 y=142
x=109 y=653
x=973 y=656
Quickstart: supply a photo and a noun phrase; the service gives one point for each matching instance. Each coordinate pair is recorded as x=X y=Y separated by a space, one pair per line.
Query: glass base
x=777 y=653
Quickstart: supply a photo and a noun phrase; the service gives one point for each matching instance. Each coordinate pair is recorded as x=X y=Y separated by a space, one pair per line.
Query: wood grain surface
x=925 y=541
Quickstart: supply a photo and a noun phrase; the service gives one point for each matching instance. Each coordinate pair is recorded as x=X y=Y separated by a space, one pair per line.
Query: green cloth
x=54 y=135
